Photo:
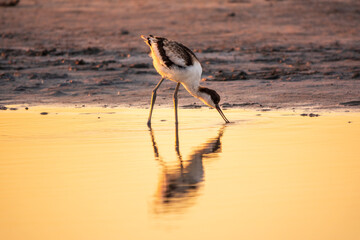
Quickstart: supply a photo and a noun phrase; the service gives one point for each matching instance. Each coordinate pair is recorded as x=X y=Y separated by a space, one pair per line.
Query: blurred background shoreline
x=256 y=53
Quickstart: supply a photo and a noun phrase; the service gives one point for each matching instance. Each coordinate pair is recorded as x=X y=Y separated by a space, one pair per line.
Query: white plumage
x=174 y=61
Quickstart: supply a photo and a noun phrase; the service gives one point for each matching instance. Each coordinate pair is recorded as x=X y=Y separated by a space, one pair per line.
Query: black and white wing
x=170 y=53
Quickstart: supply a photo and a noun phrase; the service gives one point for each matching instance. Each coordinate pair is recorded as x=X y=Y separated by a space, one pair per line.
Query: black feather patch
x=164 y=57
x=189 y=53
x=213 y=94
x=180 y=50
x=148 y=41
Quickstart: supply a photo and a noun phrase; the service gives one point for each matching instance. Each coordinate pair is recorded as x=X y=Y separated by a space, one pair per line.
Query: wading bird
x=174 y=61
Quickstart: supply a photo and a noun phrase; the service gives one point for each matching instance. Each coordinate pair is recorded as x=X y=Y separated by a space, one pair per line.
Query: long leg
x=177 y=149
x=176 y=102
x=177 y=144
x=153 y=98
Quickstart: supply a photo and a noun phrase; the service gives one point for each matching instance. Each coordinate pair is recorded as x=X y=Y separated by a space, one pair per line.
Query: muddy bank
x=267 y=54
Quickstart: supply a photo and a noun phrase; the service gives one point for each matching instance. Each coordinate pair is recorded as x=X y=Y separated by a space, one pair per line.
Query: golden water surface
x=100 y=173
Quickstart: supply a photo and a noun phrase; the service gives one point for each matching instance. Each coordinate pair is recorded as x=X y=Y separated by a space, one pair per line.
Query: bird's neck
x=192 y=87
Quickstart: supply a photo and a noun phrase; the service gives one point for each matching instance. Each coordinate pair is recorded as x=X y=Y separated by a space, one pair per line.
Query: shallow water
x=99 y=173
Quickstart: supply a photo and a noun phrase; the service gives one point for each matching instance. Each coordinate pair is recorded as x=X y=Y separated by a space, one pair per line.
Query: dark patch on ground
x=351 y=103
x=309 y=115
x=9 y=3
x=223 y=75
x=190 y=106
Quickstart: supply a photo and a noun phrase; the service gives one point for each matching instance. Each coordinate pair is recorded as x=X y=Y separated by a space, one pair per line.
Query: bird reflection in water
x=178 y=186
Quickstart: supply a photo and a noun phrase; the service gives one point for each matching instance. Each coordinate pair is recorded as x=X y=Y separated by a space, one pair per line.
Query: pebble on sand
x=310 y=115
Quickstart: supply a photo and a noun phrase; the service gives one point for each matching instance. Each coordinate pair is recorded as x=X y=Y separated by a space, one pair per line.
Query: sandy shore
x=255 y=53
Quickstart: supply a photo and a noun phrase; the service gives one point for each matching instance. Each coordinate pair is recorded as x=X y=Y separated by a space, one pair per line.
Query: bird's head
x=211 y=98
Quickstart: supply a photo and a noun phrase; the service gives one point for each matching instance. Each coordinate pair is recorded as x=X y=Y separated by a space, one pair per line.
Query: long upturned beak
x=221 y=113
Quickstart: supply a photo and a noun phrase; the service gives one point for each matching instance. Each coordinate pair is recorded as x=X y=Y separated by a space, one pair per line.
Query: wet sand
x=262 y=54
x=95 y=173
